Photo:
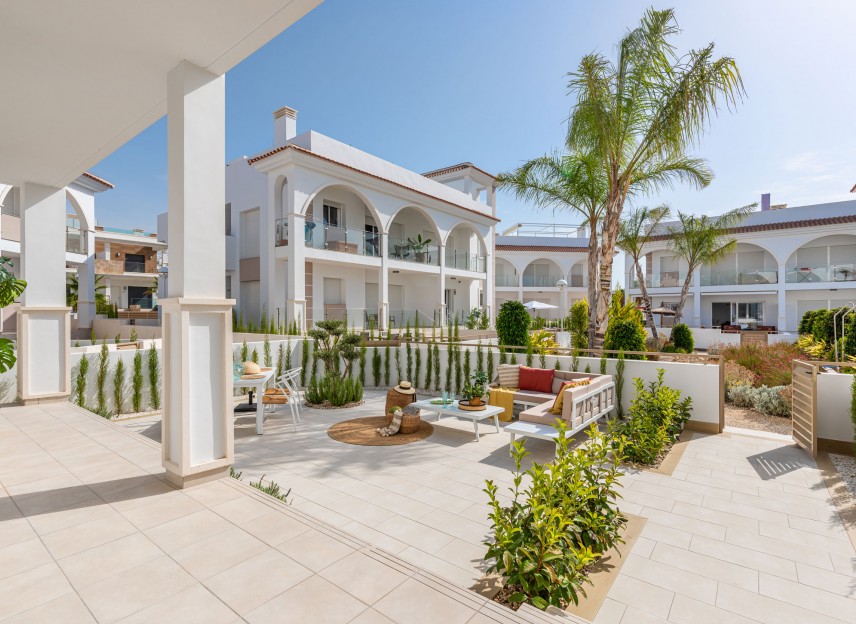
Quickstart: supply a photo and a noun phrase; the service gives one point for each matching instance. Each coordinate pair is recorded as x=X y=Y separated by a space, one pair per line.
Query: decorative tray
x=442 y=402
x=465 y=405
x=252 y=376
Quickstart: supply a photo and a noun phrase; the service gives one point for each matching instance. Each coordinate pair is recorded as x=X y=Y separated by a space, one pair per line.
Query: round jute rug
x=363 y=432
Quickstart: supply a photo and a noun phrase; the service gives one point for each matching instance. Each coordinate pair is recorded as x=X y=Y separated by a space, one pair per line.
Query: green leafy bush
x=119 y=386
x=335 y=389
x=512 y=324
x=741 y=395
x=154 y=377
x=80 y=381
x=137 y=383
x=806 y=325
x=565 y=519
x=625 y=334
x=853 y=410
x=682 y=338
x=101 y=377
x=578 y=324
x=656 y=417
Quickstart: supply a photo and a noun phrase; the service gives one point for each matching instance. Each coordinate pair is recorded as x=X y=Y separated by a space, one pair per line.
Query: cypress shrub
x=625 y=335
x=682 y=338
x=429 y=367
x=137 y=383
x=268 y=357
x=362 y=374
x=490 y=363
x=398 y=364
x=467 y=368
x=80 y=381
x=512 y=324
x=101 y=378
x=154 y=379
x=450 y=366
x=288 y=355
x=386 y=366
x=436 y=368
x=578 y=324
x=376 y=366
x=119 y=385
x=304 y=361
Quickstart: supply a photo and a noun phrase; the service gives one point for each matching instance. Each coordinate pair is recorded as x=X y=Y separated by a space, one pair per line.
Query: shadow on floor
x=780 y=461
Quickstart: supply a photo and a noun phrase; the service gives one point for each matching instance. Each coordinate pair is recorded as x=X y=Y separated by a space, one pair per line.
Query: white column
x=267 y=250
x=489 y=286
x=44 y=328
x=86 y=284
x=696 y=290
x=383 y=285
x=782 y=324
x=198 y=437
x=296 y=266
x=441 y=297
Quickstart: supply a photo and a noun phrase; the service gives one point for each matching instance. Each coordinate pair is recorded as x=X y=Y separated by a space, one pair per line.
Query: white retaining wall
x=704 y=337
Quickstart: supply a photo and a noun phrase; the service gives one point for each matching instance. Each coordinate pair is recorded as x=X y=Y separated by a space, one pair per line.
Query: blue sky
x=429 y=84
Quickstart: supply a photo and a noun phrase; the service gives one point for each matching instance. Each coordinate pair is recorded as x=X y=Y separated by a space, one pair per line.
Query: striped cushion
x=509 y=375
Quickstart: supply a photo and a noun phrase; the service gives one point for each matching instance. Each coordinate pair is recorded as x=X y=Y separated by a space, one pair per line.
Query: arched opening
x=747 y=264
x=506 y=275
x=825 y=259
x=339 y=218
x=465 y=249
x=76 y=226
x=281 y=212
x=542 y=273
x=413 y=237
x=578 y=275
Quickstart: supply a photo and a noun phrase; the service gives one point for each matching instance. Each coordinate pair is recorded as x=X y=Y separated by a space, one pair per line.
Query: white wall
x=833 y=407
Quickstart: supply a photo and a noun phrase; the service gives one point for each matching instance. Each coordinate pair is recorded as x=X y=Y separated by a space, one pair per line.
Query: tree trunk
x=649 y=316
x=592 y=286
x=609 y=238
x=683 y=299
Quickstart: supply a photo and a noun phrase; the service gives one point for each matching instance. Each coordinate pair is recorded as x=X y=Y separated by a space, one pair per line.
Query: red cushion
x=537 y=379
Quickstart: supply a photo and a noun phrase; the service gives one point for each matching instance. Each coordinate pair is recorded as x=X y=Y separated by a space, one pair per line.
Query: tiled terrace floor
x=89 y=532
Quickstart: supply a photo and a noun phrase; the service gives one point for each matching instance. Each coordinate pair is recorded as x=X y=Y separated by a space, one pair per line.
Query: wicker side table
x=410 y=420
x=396 y=399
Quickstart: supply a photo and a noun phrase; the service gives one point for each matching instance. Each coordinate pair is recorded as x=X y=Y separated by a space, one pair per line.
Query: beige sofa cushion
x=530 y=396
x=561 y=377
x=508 y=375
x=539 y=414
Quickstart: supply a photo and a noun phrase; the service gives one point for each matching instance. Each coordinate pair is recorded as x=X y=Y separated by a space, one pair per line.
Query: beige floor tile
x=746 y=557
x=610 y=612
x=15 y=530
x=81 y=537
x=841 y=584
x=23 y=556
x=314 y=600
x=816 y=600
x=62 y=519
x=670 y=577
x=68 y=609
x=250 y=584
x=133 y=590
x=275 y=527
x=374 y=537
x=194 y=605
x=637 y=616
x=685 y=610
x=364 y=577
x=413 y=602
x=708 y=567
x=766 y=610
x=315 y=550
x=108 y=560
x=188 y=530
x=220 y=552
x=214 y=493
x=32 y=588
x=779 y=548
x=370 y=616
x=412 y=532
x=462 y=577
x=643 y=596
x=242 y=510
x=796 y=536
x=161 y=509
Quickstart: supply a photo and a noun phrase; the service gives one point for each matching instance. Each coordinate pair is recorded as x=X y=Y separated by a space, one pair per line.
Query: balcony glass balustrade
x=280 y=236
x=506 y=280
x=465 y=260
x=410 y=250
x=668 y=279
x=823 y=273
x=730 y=277
x=342 y=239
x=541 y=281
x=135 y=267
x=75 y=240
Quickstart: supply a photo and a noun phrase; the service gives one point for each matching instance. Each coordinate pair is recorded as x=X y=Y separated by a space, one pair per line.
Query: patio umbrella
x=666 y=311
x=538 y=305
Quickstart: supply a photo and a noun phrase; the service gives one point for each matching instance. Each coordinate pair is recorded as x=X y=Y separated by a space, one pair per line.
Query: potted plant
x=474 y=390
x=418 y=245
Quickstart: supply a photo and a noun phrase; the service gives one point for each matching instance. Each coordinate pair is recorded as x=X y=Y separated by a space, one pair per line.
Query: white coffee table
x=452 y=409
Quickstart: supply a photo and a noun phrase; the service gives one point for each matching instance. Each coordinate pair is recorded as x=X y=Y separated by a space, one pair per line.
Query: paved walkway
x=90 y=532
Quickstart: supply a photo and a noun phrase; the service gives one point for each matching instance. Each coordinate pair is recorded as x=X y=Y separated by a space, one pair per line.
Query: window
x=229 y=219
x=333 y=215
x=228 y=287
x=135 y=263
x=750 y=312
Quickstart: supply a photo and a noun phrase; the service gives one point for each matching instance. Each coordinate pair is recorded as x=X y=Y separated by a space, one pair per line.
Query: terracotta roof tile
x=537 y=248
x=255 y=159
x=784 y=225
x=92 y=176
x=458 y=167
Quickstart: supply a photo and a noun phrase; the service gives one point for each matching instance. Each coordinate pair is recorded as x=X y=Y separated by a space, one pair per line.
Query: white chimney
x=284 y=125
x=765 y=201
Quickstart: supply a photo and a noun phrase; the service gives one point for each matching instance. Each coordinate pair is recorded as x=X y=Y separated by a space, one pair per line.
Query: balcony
x=668 y=279
x=506 y=280
x=465 y=260
x=823 y=273
x=342 y=239
x=75 y=240
x=410 y=250
x=280 y=237
x=742 y=277
x=540 y=281
x=134 y=267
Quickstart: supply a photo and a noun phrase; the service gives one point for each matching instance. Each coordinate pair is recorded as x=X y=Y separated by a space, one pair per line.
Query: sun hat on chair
x=405 y=387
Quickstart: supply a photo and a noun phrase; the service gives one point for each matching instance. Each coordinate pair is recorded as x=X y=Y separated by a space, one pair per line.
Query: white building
x=318 y=229
x=532 y=261
x=787 y=261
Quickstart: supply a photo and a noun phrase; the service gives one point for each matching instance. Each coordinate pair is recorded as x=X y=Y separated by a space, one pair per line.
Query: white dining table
x=259 y=386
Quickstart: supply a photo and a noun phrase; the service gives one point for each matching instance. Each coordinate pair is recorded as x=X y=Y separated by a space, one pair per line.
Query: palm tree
x=572 y=181
x=641 y=112
x=634 y=234
x=10 y=289
x=72 y=292
x=699 y=239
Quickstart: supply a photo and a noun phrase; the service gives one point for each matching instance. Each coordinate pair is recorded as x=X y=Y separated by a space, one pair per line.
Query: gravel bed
x=746 y=418
x=846 y=467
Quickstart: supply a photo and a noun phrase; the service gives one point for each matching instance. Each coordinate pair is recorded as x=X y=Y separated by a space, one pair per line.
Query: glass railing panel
x=280 y=237
x=506 y=280
x=408 y=250
x=75 y=240
x=341 y=239
x=465 y=261
x=739 y=278
x=135 y=267
x=577 y=281
x=541 y=281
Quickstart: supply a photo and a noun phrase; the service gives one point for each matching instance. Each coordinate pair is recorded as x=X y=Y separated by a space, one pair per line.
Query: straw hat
x=405 y=387
x=251 y=368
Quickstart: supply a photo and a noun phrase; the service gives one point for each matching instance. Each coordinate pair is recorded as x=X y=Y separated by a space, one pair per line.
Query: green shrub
x=625 y=334
x=566 y=518
x=849 y=347
x=490 y=363
x=376 y=367
x=386 y=365
x=853 y=410
x=682 y=338
x=619 y=384
x=806 y=325
x=772 y=364
x=304 y=361
x=119 y=386
x=735 y=375
x=362 y=374
x=80 y=381
x=822 y=327
x=335 y=389
x=656 y=417
x=154 y=378
x=101 y=377
x=578 y=324
x=429 y=367
x=436 y=368
x=137 y=383
x=772 y=401
x=512 y=324
x=268 y=356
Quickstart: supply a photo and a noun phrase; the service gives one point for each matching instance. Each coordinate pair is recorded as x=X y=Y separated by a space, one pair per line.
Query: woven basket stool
x=410 y=420
x=396 y=399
